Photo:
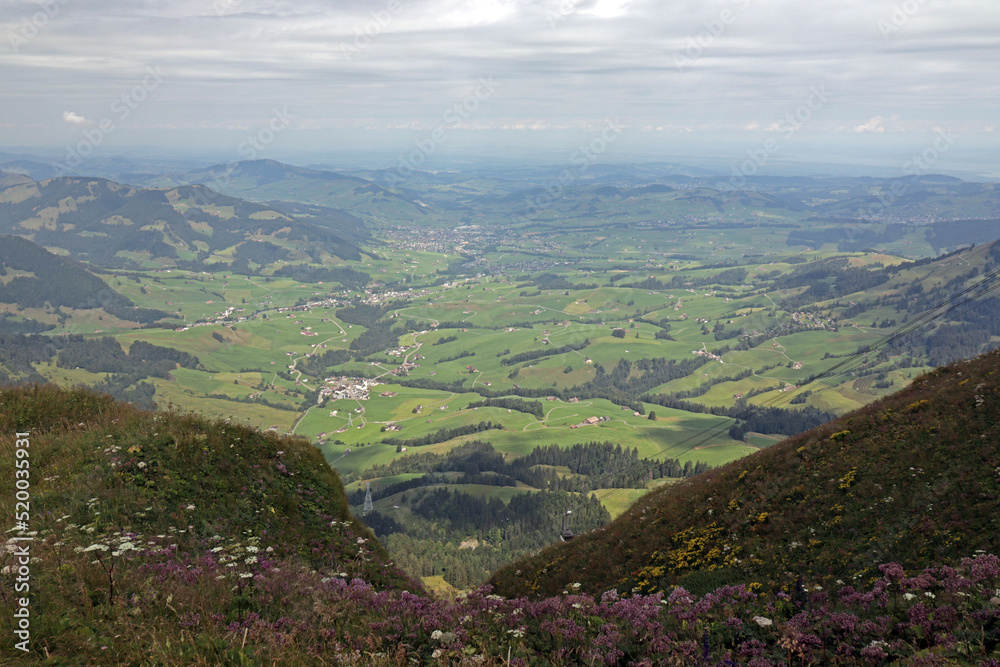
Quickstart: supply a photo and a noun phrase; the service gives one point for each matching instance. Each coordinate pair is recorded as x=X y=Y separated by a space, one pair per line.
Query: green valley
x=679 y=334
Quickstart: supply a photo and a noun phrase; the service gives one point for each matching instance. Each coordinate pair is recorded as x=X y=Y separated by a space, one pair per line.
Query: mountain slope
x=268 y=180
x=110 y=224
x=10 y=177
x=913 y=478
x=144 y=522
x=32 y=277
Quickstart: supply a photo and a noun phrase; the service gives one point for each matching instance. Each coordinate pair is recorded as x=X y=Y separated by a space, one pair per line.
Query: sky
x=771 y=81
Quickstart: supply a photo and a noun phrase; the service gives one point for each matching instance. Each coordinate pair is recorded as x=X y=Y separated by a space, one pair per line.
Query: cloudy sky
x=850 y=80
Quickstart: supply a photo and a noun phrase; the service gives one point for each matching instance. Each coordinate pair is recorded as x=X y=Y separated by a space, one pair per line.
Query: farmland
x=686 y=338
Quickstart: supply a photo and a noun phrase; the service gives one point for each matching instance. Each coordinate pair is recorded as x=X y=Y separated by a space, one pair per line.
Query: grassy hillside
x=110 y=224
x=154 y=530
x=158 y=539
x=913 y=478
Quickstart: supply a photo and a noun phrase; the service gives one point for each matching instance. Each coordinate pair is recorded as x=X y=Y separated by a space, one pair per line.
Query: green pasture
x=172 y=395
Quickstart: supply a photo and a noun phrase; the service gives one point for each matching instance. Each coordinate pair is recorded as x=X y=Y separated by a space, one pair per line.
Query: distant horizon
x=886 y=157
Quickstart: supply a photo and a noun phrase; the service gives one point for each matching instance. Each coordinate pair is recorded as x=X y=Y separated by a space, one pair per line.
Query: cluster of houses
x=815 y=322
x=345 y=387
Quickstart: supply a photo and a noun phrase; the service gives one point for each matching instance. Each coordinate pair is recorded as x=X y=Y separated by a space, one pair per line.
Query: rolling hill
x=268 y=180
x=37 y=282
x=111 y=224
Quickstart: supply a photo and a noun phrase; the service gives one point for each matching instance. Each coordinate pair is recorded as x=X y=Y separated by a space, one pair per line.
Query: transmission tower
x=368 y=500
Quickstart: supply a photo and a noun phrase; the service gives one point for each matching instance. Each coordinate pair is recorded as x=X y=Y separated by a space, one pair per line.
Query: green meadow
x=253 y=337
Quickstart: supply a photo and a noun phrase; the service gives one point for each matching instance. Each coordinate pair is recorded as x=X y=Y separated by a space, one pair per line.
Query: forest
x=441 y=516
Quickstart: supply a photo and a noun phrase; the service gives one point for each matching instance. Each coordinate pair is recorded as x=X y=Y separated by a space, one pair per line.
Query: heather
x=235 y=603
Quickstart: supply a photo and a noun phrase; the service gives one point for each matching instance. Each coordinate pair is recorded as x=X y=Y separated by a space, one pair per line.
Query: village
x=353 y=388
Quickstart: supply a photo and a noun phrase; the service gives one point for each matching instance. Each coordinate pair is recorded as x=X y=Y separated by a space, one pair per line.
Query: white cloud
x=74 y=118
x=874 y=124
x=607 y=9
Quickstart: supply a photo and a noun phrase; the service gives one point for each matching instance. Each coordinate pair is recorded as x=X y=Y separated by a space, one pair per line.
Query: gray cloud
x=684 y=66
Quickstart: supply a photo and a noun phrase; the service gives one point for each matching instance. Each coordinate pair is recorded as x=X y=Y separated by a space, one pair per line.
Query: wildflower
x=436 y=635
x=909 y=596
x=189 y=507
x=762 y=622
x=576 y=586
x=142 y=464
x=98 y=547
x=929 y=594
